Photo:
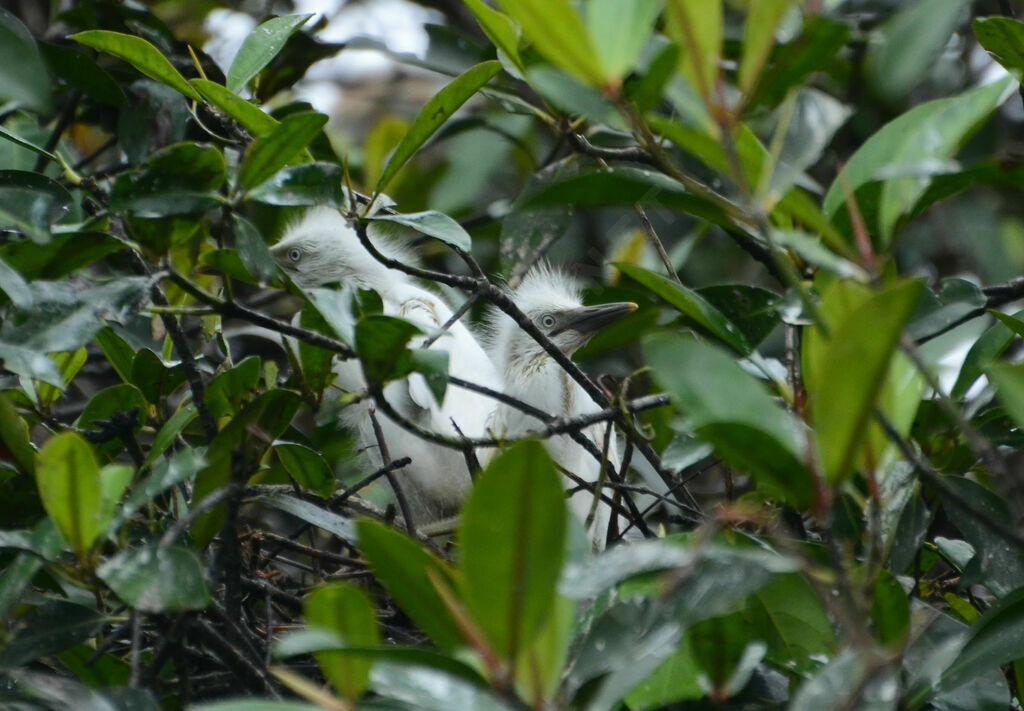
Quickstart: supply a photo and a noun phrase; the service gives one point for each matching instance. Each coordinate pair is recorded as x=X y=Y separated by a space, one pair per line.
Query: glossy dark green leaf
x=69 y=485
x=750 y=309
x=23 y=75
x=729 y=409
x=847 y=369
x=18 y=574
x=64 y=254
x=434 y=224
x=1003 y=38
x=248 y=115
x=983 y=353
x=1000 y=563
x=25 y=143
x=348 y=612
x=627 y=186
x=268 y=154
x=270 y=413
x=335 y=306
x=433 y=114
x=253 y=250
x=890 y=610
x=164 y=474
x=177 y=180
x=690 y=303
x=846 y=679
x=790 y=64
x=906 y=47
x=915 y=145
x=789 y=616
x=104 y=406
x=306 y=466
x=153 y=377
x=305 y=184
x=406 y=569
x=14 y=435
x=381 y=342
x=141 y=54
x=81 y=72
x=157 y=579
x=938 y=311
x=31 y=203
x=169 y=432
x=321 y=517
x=997 y=638
x=47 y=629
x=511 y=539
x=260 y=47
x=227 y=392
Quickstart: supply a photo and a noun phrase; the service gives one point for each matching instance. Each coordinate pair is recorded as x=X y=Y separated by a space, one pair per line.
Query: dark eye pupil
x=295 y=254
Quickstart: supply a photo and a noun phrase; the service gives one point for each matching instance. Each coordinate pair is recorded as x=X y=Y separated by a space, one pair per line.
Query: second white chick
x=322 y=248
x=552 y=301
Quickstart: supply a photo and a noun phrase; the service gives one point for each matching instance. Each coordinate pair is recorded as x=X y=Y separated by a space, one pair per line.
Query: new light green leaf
x=619 y=29
x=348 y=612
x=914 y=146
x=69 y=484
x=846 y=370
x=499 y=28
x=268 y=154
x=434 y=113
x=260 y=47
x=511 y=539
x=697 y=27
x=557 y=31
x=758 y=37
x=140 y=54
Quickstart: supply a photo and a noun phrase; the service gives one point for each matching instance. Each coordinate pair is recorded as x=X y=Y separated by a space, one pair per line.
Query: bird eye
x=294 y=254
x=547 y=321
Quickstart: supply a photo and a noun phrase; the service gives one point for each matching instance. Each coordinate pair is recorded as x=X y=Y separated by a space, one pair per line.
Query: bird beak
x=590 y=319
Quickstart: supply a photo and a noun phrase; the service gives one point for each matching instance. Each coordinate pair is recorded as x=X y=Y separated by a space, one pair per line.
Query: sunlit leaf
x=141 y=54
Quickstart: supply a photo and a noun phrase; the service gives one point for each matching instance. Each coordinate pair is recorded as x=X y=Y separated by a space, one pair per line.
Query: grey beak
x=590 y=319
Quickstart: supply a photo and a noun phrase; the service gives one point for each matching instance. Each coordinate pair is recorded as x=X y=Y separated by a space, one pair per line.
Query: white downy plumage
x=552 y=301
x=322 y=248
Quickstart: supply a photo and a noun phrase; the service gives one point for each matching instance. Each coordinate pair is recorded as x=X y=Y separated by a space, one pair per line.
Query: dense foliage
x=814 y=204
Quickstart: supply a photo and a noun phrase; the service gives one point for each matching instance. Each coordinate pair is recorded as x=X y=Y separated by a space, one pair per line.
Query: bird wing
x=425 y=311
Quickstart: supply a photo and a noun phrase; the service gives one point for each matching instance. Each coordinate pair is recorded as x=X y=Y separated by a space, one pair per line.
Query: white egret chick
x=322 y=248
x=552 y=301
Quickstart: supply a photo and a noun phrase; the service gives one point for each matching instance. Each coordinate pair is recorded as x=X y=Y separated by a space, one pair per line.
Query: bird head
x=322 y=247
x=552 y=302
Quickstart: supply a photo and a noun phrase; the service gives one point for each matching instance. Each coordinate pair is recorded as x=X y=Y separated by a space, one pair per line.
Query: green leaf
x=116 y=398
x=140 y=54
x=169 y=471
x=69 y=363
x=23 y=76
x=416 y=688
x=320 y=517
x=730 y=409
x=348 y=612
x=619 y=29
x=697 y=27
x=14 y=436
x=601 y=187
x=676 y=679
x=30 y=203
x=556 y=31
x=1009 y=382
x=845 y=370
x=1003 y=38
x=511 y=538
x=260 y=47
x=65 y=253
x=758 y=37
x=51 y=627
x=306 y=466
x=434 y=113
x=169 y=432
x=335 y=306
x=890 y=610
x=305 y=184
x=405 y=570
x=792 y=63
x=252 y=250
x=81 y=72
x=381 y=342
x=915 y=144
x=983 y=353
x=157 y=579
x=249 y=116
x=69 y=485
x=15 y=286
x=24 y=143
x=500 y=30
x=904 y=50
x=180 y=179
x=230 y=390
x=789 y=616
x=153 y=377
x=997 y=638
x=689 y=303
x=30 y=363
x=268 y=154
x=433 y=224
